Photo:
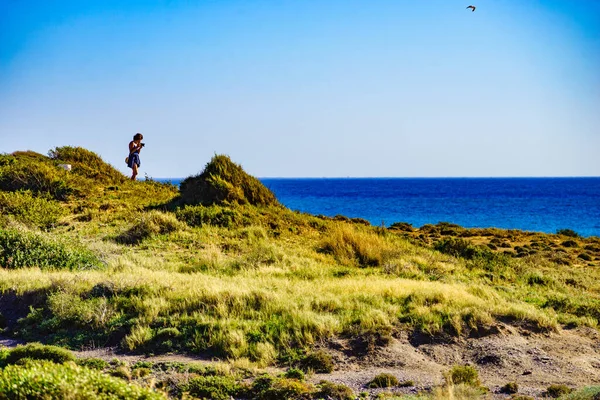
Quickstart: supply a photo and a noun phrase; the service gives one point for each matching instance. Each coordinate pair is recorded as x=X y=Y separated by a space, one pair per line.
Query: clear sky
x=308 y=88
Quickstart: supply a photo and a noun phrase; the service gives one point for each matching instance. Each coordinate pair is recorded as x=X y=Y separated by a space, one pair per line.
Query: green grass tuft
x=463 y=374
x=556 y=391
x=318 y=361
x=334 y=391
x=383 y=380
x=510 y=388
x=150 y=224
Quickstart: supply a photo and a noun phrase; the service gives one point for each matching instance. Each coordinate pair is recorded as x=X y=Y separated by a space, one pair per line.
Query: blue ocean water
x=533 y=204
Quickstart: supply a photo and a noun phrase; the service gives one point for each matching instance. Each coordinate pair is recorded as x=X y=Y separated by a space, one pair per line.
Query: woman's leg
x=135 y=172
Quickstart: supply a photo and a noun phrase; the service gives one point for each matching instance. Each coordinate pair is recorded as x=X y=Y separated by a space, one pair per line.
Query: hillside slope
x=140 y=268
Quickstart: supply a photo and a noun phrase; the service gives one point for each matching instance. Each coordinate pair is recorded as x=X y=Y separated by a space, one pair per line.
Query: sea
x=530 y=204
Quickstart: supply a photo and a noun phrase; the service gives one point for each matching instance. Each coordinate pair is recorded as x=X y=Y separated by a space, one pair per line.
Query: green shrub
x=294 y=373
x=536 y=278
x=568 y=232
x=463 y=374
x=510 y=388
x=586 y=393
x=150 y=224
x=383 y=380
x=569 y=243
x=143 y=364
x=38 y=351
x=211 y=215
x=33 y=211
x=319 y=361
x=141 y=372
x=46 y=380
x=461 y=248
x=223 y=181
x=334 y=391
x=8 y=159
x=213 y=387
x=20 y=249
x=37 y=177
x=166 y=333
x=557 y=391
x=87 y=164
x=121 y=371
x=267 y=388
x=4 y=352
x=402 y=226
x=585 y=257
x=92 y=363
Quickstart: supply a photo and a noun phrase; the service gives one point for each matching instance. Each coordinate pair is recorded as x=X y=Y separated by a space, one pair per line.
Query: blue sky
x=308 y=88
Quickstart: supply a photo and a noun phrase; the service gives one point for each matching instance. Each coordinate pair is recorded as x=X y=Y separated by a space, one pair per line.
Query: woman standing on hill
x=133 y=161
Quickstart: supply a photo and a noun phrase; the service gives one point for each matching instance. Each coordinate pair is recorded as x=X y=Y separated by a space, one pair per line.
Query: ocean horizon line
x=407 y=177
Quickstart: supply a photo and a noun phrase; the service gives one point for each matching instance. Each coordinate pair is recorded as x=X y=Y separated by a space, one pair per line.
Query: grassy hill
x=222 y=270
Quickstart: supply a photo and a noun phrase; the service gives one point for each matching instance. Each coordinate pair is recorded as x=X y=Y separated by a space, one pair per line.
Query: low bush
x=556 y=391
x=334 y=391
x=463 y=374
x=268 y=388
x=383 y=380
x=38 y=351
x=213 y=387
x=568 y=232
x=319 y=361
x=209 y=215
x=294 y=373
x=92 y=363
x=510 y=388
x=461 y=248
x=121 y=371
x=150 y=224
x=46 y=380
x=141 y=372
x=570 y=243
x=586 y=393
x=402 y=226
x=20 y=248
x=4 y=352
x=37 y=177
x=30 y=210
x=223 y=181
x=87 y=164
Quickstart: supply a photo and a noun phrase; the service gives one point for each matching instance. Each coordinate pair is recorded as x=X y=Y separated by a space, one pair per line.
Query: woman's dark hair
x=138 y=136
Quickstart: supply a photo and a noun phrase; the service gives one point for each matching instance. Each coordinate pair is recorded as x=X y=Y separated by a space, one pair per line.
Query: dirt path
x=533 y=361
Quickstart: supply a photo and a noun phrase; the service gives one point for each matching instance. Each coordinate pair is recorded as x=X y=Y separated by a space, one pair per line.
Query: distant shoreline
x=405 y=177
x=534 y=204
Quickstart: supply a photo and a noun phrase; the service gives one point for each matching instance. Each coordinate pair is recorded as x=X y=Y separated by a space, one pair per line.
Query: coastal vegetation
x=221 y=270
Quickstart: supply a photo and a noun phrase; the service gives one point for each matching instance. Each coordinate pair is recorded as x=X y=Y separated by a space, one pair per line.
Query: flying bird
x=472 y=8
